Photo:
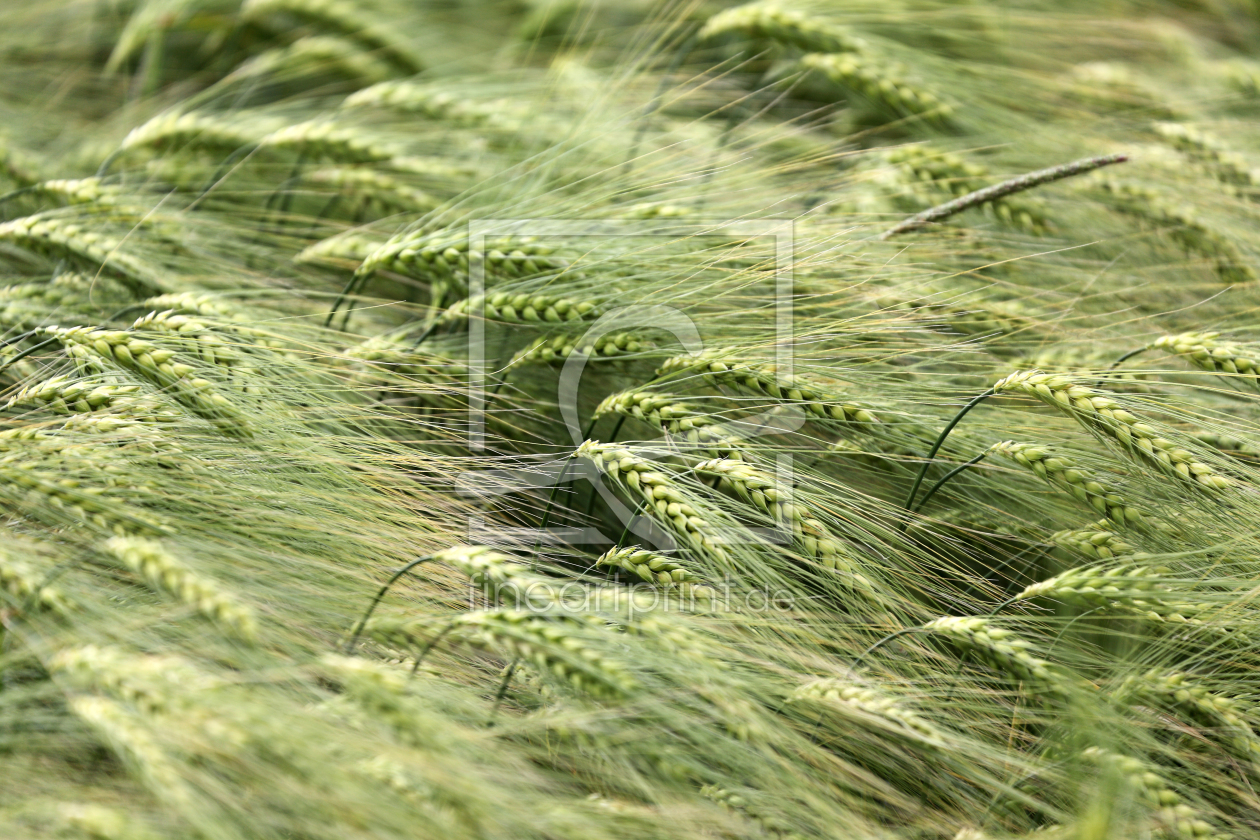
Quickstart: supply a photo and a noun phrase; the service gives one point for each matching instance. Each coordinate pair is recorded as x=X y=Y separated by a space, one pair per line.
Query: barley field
x=613 y=420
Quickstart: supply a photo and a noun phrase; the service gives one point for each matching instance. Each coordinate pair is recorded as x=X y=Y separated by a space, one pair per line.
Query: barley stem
x=940 y=440
x=1014 y=185
x=358 y=630
x=612 y=438
x=905 y=631
x=945 y=479
x=8 y=363
x=1121 y=361
x=564 y=471
x=503 y=688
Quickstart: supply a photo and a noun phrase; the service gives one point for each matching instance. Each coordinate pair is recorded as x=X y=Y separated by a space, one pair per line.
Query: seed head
x=1101 y=413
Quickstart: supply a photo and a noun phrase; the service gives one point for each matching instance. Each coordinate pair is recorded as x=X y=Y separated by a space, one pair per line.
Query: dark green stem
x=219 y=173
x=429 y=646
x=135 y=307
x=428 y=331
x=354 y=637
x=945 y=480
x=18 y=338
x=612 y=438
x=27 y=352
x=108 y=162
x=625 y=532
x=1004 y=605
x=502 y=692
x=1121 y=361
x=927 y=461
x=546 y=517
x=21 y=191
x=349 y=289
x=285 y=190
x=905 y=631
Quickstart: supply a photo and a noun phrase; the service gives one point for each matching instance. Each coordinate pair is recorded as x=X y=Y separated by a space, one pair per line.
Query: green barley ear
x=987 y=195
x=445 y=256
x=521 y=308
x=151 y=684
x=345 y=250
x=336 y=16
x=560 y=646
x=322 y=139
x=391 y=353
x=1206 y=351
x=163 y=572
x=26 y=583
x=679 y=419
x=1007 y=653
x=204 y=343
x=772 y=825
x=860 y=702
x=133 y=742
x=1063 y=474
x=92 y=347
x=1193 y=234
x=559 y=643
x=48 y=496
x=1174 y=817
x=666 y=501
x=27 y=305
x=653 y=568
x=378 y=192
x=1224 y=716
x=1129 y=588
x=558 y=349
x=882 y=82
x=1098 y=412
x=396 y=777
x=60 y=237
x=387 y=695
x=920 y=167
x=769 y=21
x=78 y=191
x=765 y=492
x=927 y=175
x=1202 y=147
x=1114 y=86
x=197 y=131
x=1234 y=447
x=65 y=394
x=1066 y=360
x=764 y=379
x=502 y=578
x=140 y=428
x=431 y=101
x=315 y=55
x=991 y=318
x=1093 y=543
x=442 y=259
x=197 y=303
